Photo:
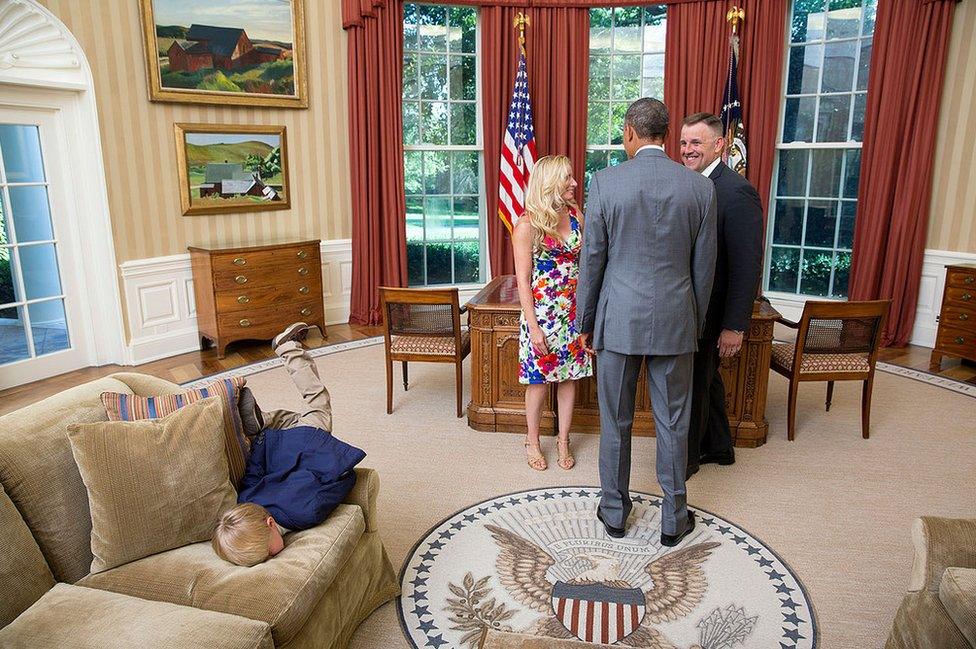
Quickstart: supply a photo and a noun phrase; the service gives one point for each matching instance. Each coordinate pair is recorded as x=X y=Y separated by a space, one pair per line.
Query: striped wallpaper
x=952 y=221
x=140 y=151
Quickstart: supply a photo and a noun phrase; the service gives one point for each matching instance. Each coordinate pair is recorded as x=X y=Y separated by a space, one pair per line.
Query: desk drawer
x=288 y=274
x=247 y=260
x=963 y=317
x=252 y=298
x=964 y=297
x=961 y=277
x=958 y=342
x=258 y=323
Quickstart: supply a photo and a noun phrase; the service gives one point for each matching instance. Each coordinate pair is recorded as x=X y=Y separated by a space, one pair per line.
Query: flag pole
x=521 y=22
x=734 y=16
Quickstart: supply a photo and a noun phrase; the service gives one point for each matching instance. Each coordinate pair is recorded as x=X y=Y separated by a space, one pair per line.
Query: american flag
x=518 y=151
x=735 y=130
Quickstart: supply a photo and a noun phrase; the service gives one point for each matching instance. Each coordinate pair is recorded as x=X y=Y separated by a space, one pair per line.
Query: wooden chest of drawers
x=957 y=320
x=253 y=293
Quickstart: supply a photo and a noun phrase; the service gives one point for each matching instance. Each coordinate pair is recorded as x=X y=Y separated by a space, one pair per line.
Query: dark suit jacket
x=739 y=260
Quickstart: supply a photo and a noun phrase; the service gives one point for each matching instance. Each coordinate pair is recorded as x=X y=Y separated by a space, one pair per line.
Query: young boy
x=297 y=472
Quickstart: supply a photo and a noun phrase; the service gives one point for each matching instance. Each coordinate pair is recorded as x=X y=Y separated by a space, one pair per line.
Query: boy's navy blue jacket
x=299 y=475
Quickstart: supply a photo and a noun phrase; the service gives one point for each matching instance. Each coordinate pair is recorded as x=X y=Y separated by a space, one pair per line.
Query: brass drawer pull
x=968 y=279
x=302 y=254
x=960 y=340
x=239 y=261
x=303 y=271
x=244 y=322
x=306 y=311
x=303 y=290
x=243 y=299
x=966 y=297
x=964 y=316
x=241 y=279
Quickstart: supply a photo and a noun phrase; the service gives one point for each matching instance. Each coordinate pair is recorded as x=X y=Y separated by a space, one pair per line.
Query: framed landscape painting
x=243 y=52
x=226 y=168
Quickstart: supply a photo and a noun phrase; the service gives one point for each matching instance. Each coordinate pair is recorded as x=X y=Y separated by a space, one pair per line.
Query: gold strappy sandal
x=537 y=462
x=566 y=460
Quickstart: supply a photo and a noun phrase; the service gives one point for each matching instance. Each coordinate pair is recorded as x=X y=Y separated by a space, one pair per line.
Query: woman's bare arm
x=522 y=245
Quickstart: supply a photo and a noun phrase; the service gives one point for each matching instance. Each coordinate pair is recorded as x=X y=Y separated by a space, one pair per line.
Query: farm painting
x=232 y=168
x=248 y=52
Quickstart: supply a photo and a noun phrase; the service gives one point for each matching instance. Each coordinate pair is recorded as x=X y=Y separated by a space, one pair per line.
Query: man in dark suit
x=737 y=269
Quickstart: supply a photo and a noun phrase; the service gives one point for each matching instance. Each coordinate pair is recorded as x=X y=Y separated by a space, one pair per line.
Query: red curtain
x=379 y=239
x=911 y=38
x=557 y=61
x=695 y=66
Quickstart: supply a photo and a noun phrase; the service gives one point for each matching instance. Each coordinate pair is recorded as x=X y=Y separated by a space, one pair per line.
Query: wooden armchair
x=423 y=325
x=836 y=341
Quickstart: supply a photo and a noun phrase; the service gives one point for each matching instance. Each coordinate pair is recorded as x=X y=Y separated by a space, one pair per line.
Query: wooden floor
x=194 y=365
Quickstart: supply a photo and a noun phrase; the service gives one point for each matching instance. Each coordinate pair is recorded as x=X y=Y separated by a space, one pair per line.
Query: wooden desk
x=498 y=400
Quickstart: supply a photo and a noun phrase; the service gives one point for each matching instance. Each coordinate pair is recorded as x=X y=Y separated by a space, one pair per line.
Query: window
x=819 y=151
x=626 y=63
x=442 y=142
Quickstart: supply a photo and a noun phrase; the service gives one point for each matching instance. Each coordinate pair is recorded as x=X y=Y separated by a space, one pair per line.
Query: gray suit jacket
x=648 y=257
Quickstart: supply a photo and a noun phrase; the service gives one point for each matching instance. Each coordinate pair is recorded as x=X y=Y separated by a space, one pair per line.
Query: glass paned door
x=37 y=288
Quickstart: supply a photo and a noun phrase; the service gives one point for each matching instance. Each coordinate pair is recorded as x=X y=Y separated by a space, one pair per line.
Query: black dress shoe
x=724 y=459
x=671 y=540
x=690 y=471
x=615 y=532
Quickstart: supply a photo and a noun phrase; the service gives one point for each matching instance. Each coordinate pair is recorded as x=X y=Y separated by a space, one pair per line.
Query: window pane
x=784 y=265
x=655 y=28
x=433 y=28
x=625 y=88
x=465 y=168
x=815 y=279
x=843 y=20
x=40 y=268
x=838 y=72
x=864 y=65
x=599 y=77
x=415 y=263
x=821 y=224
x=615 y=157
x=13 y=339
x=595 y=160
x=31 y=213
x=798 y=122
x=463 y=77
x=8 y=292
x=415 y=218
x=4 y=227
x=626 y=66
x=438 y=263
x=804 y=69
x=49 y=327
x=857 y=124
x=464 y=124
x=467 y=263
x=653 y=74
x=411 y=79
x=466 y=224
x=617 y=122
x=601 y=25
x=792 y=177
x=464 y=21
x=433 y=121
x=825 y=176
x=852 y=172
x=433 y=76
x=437 y=172
x=808 y=20
x=413 y=173
x=845 y=237
x=788 y=224
x=627 y=33
x=21 y=149
x=842 y=273
x=437 y=218
x=835 y=112
x=411 y=122
x=870 y=12
x=410 y=19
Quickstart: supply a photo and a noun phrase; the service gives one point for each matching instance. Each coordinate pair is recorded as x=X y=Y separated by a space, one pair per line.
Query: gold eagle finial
x=735 y=15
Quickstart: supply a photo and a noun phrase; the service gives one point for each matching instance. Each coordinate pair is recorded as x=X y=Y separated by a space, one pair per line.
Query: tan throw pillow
x=153 y=485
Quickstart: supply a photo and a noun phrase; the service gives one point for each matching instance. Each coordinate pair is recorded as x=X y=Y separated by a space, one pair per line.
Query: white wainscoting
x=929 y=295
x=161 y=311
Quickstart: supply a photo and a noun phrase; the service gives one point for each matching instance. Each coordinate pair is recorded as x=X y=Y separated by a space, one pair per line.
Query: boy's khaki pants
x=305 y=376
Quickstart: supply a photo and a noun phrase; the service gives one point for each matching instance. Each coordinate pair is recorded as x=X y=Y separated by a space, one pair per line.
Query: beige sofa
x=939 y=610
x=313 y=594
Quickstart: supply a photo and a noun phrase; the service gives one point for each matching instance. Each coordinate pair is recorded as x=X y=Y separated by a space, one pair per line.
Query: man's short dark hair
x=708 y=119
x=649 y=118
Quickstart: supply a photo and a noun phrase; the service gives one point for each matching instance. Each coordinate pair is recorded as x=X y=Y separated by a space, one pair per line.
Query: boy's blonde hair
x=242 y=535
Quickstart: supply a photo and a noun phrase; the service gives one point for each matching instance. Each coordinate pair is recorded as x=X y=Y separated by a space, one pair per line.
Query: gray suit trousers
x=669 y=384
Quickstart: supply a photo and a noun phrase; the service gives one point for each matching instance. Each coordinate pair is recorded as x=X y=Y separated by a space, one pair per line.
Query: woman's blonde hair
x=242 y=535
x=544 y=196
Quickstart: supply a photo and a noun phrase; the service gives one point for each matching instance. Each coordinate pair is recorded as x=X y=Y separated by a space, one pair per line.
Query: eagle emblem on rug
x=602 y=602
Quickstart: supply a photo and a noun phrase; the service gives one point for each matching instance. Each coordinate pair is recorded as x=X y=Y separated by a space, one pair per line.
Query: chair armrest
x=146 y=385
x=364 y=494
x=940 y=543
x=464 y=308
x=957 y=592
x=788 y=323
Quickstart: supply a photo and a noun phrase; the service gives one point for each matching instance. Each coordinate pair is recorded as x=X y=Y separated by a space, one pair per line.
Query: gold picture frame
x=232 y=168
x=254 y=73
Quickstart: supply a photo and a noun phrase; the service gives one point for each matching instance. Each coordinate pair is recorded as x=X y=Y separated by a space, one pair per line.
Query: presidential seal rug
x=540 y=562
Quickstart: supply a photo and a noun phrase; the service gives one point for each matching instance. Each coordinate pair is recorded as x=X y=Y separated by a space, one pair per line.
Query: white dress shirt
x=648 y=146
x=708 y=170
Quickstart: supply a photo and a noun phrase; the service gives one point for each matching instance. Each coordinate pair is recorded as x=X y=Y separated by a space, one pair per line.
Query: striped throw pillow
x=131 y=407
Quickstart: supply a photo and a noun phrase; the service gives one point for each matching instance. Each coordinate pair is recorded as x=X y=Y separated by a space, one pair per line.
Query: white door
x=42 y=327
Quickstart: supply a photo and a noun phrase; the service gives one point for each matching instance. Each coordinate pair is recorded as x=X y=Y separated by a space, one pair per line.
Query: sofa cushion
x=73 y=616
x=957 y=591
x=282 y=591
x=24 y=575
x=153 y=485
x=39 y=473
x=921 y=622
x=130 y=407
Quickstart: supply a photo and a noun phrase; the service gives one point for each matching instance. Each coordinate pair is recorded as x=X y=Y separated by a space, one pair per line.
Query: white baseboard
x=930 y=291
x=161 y=310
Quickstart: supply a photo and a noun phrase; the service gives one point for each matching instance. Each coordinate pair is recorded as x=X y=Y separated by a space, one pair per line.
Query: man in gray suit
x=645 y=280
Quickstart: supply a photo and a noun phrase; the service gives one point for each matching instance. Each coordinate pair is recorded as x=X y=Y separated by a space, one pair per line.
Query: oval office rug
x=539 y=562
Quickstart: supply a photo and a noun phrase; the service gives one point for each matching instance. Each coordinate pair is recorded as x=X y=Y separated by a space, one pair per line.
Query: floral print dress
x=554 y=276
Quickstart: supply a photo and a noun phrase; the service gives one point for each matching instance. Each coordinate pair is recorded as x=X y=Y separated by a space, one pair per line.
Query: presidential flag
x=518 y=151
x=735 y=131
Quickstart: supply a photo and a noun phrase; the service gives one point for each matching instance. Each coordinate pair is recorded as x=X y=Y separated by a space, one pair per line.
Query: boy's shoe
x=297 y=331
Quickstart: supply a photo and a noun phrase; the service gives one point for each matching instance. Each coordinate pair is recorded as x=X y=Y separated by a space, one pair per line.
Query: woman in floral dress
x=547 y=242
